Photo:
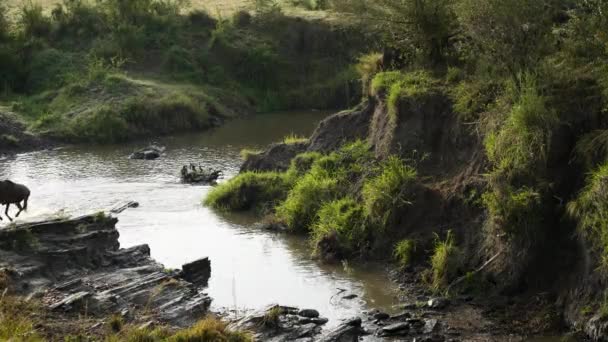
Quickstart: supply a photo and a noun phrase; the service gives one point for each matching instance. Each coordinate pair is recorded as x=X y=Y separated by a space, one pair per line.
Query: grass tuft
x=404 y=252
x=390 y=191
x=249 y=190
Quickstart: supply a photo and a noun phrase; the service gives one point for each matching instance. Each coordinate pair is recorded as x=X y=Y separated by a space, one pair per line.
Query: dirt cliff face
x=452 y=165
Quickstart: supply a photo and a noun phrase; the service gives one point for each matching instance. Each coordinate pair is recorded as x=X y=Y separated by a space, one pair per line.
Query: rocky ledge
x=76 y=266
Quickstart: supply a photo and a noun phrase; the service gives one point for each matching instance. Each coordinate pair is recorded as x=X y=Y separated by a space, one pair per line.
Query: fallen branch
x=461 y=279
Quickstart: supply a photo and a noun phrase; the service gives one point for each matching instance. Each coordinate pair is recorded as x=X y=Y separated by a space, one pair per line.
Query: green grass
x=516 y=210
x=299 y=210
x=17 y=320
x=328 y=179
x=445 y=261
x=249 y=190
x=397 y=86
x=210 y=330
x=293 y=139
x=590 y=209
x=403 y=252
x=387 y=193
x=343 y=220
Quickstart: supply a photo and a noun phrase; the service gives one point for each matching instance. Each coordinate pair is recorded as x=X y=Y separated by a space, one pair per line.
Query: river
x=251 y=268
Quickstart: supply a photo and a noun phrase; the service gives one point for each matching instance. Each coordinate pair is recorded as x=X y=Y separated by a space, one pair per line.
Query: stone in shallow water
x=197 y=272
x=310 y=313
x=438 y=303
x=395 y=329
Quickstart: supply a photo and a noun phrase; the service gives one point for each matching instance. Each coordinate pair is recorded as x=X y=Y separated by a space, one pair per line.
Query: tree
x=418 y=27
x=513 y=34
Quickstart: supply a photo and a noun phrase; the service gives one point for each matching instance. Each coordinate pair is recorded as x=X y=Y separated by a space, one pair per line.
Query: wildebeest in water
x=13 y=193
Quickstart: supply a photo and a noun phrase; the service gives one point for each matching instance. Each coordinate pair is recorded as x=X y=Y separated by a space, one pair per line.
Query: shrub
x=390 y=191
x=520 y=147
x=590 y=209
x=328 y=179
x=302 y=163
x=48 y=69
x=33 y=21
x=471 y=98
x=102 y=125
x=516 y=211
x=345 y=220
x=249 y=190
x=309 y=193
x=16 y=319
x=398 y=85
x=404 y=252
x=444 y=262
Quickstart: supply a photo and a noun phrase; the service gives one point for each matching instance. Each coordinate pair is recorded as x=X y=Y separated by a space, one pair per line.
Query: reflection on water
x=250 y=268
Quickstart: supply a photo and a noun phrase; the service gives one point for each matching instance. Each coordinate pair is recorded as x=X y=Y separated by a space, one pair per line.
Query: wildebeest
x=13 y=193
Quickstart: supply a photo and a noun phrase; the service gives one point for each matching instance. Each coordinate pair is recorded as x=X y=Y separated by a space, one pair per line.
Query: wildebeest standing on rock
x=13 y=193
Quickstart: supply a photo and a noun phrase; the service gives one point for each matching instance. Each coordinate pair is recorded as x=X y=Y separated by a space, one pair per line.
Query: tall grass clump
x=210 y=330
x=590 y=209
x=343 y=220
x=518 y=151
x=293 y=139
x=309 y=193
x=520 y=146
x=368 y=67
x=16 y=319
x=386 y=194
x=397 y=85
x=329 y=178
x=403 y=252
x=445 y=262
x=249 y=190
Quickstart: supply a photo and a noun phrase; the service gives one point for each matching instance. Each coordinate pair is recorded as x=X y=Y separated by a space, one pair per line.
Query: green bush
x=302 y=163
x=404 y=252
x=517 y=211
x=33 y=22
x=48 y=70
x=328 y=179
x=590 y=209
x=386 y=194
x=300 y=208
x=103 y=125
x=520 y=147
x=249 y=190
x=345 y=220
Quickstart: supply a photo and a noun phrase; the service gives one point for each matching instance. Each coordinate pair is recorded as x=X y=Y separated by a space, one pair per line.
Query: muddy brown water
x=250 y=268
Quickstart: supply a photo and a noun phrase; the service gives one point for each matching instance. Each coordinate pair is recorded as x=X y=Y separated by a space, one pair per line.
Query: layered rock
x=76 y=266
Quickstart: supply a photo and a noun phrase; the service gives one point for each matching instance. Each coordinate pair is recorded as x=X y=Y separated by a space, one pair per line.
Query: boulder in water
x=149 y=153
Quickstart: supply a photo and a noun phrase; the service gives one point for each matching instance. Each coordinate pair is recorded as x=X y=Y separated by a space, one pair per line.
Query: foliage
x=444 y=262
x=210 y=330
x=328 y=179
x=404 y=251
x=397 y=85
x=249 y=190
x=423 y=28
x=590 y=209
x=293 y=139
x=520 y=146
x=510 y=33
x=16 y=319
x=368 y=66
x=345 y=220
x=517 y=211
x=385 y=195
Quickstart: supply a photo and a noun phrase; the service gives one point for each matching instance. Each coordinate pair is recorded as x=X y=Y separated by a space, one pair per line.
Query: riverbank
x=157 y=70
